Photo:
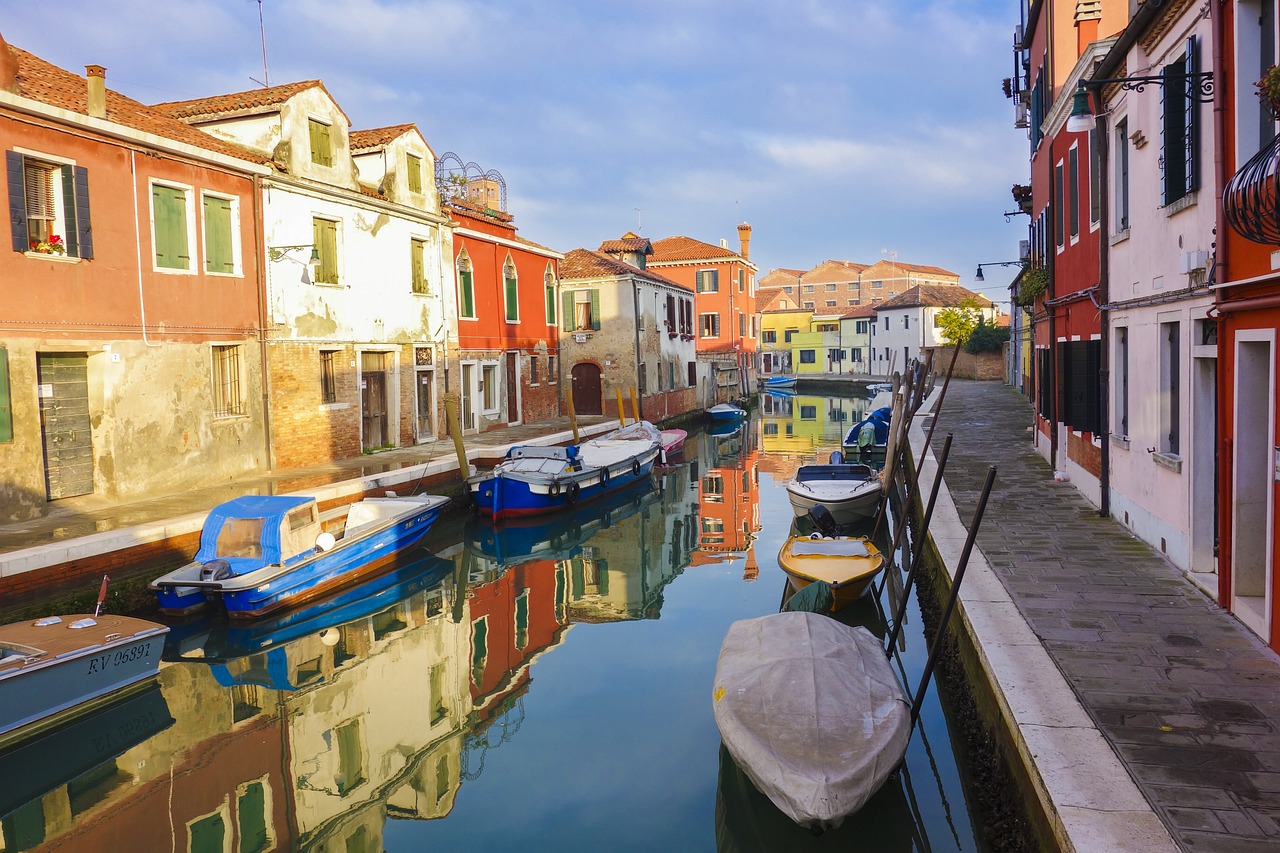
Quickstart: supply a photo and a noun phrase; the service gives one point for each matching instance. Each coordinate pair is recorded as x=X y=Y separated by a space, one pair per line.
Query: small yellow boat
x=848 y=563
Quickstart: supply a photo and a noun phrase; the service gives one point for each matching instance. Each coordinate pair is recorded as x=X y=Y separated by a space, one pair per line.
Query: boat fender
x=604 y=476
x=635 y=467
x=572 y=491
x=325 y=542
x=554 y=488
x=215 y=570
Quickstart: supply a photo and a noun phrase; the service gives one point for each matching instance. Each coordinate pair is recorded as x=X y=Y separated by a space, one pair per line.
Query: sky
x=839 y=129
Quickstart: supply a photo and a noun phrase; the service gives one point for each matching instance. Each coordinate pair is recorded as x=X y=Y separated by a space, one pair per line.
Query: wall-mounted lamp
x=978 y=275
x=1199 y=88
x=278 y=253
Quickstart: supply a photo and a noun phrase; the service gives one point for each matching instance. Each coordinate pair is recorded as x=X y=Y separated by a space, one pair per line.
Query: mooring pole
x=622 y=413
x=635 y=406
x=942 y=395
x=455 y=430
x=915 y=556
x=940 y=636
x=573 y=419
x=915 y=483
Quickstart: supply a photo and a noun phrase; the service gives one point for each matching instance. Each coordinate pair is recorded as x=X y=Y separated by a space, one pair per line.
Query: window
x=1170 y=389
x=253 y=818
x=510 y=291
x=533 y=370
x=466 y=290
x=808 y=288
x=877 y=284
x=1073 y=191
x=324 y=233
x=47 y=201
x=1095 y=182
x=1059 y=206
x=835 y=354
x=1180 y=126
x=808 y=413
x=551 y=370
x=321 y=144
x=769 y=336
x=328 y=376
x=788 y=334
x=708 y=281
x=742 y=325
x=219 y=234
x=350 y=756
x=808 y=306
x=549 y=294
x=906 y=321
x=1121 y=188
x=860 y=326
x=228 y=392
x=170 y=227
x=644 y=379
x=522 y=620
x=832 y=303
x=208 y=833
x=808 y=356
x=1078 y=366
x=418 y=266
x=693 y=373
x=886 y=322
x=1122 y=380
x=742 y=280
x=489 y=386
x=710 y=324
x=581 y=310
x=671 y=375
x=413 y=169
x=6 y=402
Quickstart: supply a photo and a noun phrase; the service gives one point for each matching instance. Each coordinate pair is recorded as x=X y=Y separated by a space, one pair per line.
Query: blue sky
x=844 y=129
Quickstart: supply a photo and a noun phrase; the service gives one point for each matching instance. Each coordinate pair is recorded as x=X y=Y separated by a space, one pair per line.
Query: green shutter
x=170 y=213
x=417 y=268
x=321 y=148
x=551 y=304
x=6 y=403
x=71 y=235
x=207 y=834
x=567 y=318
x=467 y=306
x=513 y=300
x=595 y=309
x=324 y=234
x=218 y=256
x=251 y=816
x=415 y=173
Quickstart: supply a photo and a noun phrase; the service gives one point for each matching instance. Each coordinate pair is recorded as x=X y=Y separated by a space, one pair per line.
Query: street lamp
x=978 y=275
x=1199 y=88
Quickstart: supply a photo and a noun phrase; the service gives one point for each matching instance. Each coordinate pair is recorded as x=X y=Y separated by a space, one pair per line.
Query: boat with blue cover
x=263 y=553
x=726 y=412
x=774 y=382
x=868 y=439
x=534 y=480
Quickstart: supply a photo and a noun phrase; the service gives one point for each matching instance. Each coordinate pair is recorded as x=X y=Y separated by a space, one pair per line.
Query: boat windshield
x=241 y=537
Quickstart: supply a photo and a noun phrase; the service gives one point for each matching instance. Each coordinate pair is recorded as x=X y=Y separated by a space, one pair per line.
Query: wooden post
x=635 y=406
x=573 y=419
x=622 y=415
x=455 y=430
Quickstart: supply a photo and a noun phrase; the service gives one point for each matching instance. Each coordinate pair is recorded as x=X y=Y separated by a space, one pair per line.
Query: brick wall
x=305 y=430
x=1084 y=453
x=984 y=367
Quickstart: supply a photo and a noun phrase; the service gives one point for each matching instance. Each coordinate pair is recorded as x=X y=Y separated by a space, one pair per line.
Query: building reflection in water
x=728 y=489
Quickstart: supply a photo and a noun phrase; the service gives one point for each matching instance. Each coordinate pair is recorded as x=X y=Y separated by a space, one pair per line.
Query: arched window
x=511 y=291
x=466 y=288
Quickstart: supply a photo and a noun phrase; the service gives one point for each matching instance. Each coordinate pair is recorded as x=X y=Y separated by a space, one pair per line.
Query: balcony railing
x=1251 y=199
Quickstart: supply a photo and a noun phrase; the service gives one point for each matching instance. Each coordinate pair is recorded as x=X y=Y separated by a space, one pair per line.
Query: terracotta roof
x=857 y=313
x=767 y=301
x=48 y=84
x=689 y=249
x=474 y=210
x=584 y=263
x=627 y=244
x=250 y=102
x=379 y=137
x=934 y=296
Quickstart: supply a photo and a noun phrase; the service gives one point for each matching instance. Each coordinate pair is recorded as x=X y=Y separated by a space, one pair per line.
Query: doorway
x=373 y=400
x=425 y=403
x=513 y=387
x=1251 y=527
x=468 y=395
x=64 y=423
x=586 y=389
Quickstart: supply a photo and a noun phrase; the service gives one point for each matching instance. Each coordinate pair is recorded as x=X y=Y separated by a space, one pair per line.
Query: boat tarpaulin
x=812 y=712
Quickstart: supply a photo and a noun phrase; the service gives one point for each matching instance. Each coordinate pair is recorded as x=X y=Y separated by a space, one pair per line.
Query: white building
x=908 y=322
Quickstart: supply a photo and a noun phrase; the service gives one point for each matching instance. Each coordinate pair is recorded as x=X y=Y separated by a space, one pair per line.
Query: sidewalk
x=76 y=528
x=1148 y=716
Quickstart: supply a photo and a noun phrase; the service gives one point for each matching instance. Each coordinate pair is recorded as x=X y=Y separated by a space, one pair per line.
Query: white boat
x=850 y=491
x=51 y=669
x=812 y=713
x=726 y=412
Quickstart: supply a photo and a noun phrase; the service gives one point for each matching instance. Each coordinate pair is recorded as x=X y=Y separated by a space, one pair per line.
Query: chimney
x=8 y=68
x=744 y=234
x=97 y=90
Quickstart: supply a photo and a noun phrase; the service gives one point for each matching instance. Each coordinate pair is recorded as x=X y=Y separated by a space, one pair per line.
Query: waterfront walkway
x=1186 y=699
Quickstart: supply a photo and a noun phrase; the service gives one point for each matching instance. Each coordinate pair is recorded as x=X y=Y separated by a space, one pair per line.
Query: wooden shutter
x=671 y=313
x=324 y=234
x=6 y=405
x=84 y=228
x=550 y=296
x=1044 y=383
x=566 y=313
x=17 y=201
x=321 y=148
x=512 y=300
x=467 y=294
x=218 y=256
x=417 y=270
x=169 y=211
x=71 y=234
x=595 y=309
x=1191 y=115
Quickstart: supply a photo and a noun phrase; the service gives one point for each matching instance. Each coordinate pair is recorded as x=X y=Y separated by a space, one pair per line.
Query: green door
x=64 y=424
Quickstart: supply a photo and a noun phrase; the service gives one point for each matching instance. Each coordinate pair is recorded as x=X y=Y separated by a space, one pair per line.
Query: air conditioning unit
x=1020 y=118
x=1193 y=261
x=1024 y=250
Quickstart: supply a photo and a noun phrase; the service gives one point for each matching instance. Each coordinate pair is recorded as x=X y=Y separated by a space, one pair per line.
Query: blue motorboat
x=868 y=439
x=534 y=480
x=774 y=382
x=263 y=553
x=726 y=412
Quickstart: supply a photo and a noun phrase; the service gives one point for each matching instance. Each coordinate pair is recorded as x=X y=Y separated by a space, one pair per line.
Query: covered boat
x=533 y=480
x=56 y=668
x=849 y=490
x=780 y=382
x=262 y=553
x=868 y=439
x=812 y=713
x=726 y=412
x=672 y=442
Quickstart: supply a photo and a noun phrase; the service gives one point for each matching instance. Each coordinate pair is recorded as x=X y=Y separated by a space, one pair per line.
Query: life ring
x=571 y=491
x=554 y=488
x=635 y=467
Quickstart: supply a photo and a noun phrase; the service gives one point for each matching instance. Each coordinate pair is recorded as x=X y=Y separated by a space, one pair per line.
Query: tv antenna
x=265 y=82
x=637 y=210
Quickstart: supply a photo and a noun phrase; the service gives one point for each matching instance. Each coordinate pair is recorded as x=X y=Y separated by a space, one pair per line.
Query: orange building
x=727 y=322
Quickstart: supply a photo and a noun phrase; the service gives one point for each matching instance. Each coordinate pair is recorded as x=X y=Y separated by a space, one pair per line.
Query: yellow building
x=777 y=327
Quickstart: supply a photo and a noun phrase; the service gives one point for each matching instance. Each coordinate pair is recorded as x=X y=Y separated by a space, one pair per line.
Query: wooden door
x=64 y=424
x=425 y=393
x=373 y=400
x=586 y=389
x=513 y=385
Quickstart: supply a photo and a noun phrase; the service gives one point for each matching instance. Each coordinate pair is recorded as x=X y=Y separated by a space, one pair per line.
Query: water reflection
x=404 y=714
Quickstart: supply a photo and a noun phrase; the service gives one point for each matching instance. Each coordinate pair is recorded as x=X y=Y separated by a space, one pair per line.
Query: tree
x=955 y=325
x=986 y=337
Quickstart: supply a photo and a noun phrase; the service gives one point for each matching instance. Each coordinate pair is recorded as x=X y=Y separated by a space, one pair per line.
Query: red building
x=508 y=343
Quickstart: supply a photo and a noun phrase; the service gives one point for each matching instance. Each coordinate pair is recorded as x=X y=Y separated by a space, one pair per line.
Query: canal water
x=539 y=686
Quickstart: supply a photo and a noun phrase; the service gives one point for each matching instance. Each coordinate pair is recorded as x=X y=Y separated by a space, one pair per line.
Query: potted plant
x=1022 y=197
x=51 y=246
x=1269 y=90
x=1033 y=284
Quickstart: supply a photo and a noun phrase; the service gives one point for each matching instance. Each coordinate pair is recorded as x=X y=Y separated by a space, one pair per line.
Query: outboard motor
x=215 y=570
x=823 y=522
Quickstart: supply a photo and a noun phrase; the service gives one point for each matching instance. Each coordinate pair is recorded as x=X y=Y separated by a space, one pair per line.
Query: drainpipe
x=635 y=300
x=1050 y=264
x=260 y=239
x=1104 y=297
x=1221 y=459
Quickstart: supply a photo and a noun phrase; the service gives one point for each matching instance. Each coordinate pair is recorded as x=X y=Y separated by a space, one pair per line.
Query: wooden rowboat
x=848 y=563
